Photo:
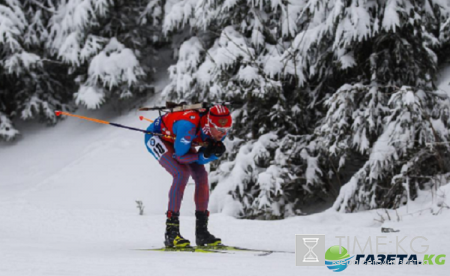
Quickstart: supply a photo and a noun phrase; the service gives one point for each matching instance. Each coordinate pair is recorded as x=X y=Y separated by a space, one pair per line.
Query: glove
x=202 y=159
x=216 y=148
x=209 y=149
x=219 y=149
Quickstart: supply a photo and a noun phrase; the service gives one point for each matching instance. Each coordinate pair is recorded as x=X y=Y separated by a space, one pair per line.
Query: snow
x=353 y=27
x=89 y=96
x=6 y=128
x=391 y=19
x=347 y=59
x=190 y=54
x=16 y=61
x=67 y=207
x=347 y=192
x=383 y=153
x=233 y=47
x=409 y=98
x=272 y=62
x=69 y=22
x=312 y=171
x=113 y=65
x=177 y=14
x=92 y=46
x=289 y=17
x=34 y=104
x=248 y=74
x=12 y=22
x=69 y=49
x=258 y=39
x=68 y=193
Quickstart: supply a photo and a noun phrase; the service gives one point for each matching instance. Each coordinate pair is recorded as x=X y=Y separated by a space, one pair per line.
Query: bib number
x=157 y=146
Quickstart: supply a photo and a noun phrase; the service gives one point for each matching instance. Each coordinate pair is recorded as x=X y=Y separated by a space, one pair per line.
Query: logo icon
x=309 y=250
x=337 y=258
x=310 y=257
x=152 y=142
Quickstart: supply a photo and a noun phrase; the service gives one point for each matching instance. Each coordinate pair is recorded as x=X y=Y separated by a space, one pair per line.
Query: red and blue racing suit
x=179 y=157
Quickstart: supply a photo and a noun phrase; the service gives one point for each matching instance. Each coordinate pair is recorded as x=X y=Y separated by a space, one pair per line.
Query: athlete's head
x=219 y=121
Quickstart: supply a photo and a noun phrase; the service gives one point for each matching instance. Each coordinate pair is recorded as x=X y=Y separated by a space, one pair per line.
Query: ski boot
x=203 y=237
x=172 y=235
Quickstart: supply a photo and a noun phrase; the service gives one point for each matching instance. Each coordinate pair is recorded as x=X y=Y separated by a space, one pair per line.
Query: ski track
x=43 y=241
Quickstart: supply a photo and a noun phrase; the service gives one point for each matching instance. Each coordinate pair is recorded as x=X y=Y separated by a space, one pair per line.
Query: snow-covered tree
x=400 y=49
x=12 y=23
x=61 y=53
x=330 y=98
x=32 y=84
x=108 y=44
x=320 y=78
x=237 y=53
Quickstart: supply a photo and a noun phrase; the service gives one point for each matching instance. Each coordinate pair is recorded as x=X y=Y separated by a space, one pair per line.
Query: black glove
x=214 y=147
x=219 y=149
x=209 y=149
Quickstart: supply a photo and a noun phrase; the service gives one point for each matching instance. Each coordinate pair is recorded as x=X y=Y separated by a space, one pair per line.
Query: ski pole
x=59 y=113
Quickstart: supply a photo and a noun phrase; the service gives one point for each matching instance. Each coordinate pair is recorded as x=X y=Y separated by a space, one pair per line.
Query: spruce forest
x=335 y=102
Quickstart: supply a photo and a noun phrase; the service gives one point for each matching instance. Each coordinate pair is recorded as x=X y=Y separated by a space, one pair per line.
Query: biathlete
x=181 y=159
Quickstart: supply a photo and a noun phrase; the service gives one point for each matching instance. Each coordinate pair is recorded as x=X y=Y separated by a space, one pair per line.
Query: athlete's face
x=218 y=134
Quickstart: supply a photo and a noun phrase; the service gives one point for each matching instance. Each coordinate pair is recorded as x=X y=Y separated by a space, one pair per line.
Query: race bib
x=157 y=146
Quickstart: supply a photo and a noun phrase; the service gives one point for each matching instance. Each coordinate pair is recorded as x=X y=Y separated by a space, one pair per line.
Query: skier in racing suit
x=180 y=158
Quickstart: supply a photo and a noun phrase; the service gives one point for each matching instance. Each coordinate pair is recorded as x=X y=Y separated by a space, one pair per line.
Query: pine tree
x=398 y=52
x=123 y=67
x=33 y=85
x=62 y=53
x=11 y=26
x=325 y=81
x=236 y=54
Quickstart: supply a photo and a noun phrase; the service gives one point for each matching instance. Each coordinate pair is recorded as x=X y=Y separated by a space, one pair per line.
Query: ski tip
x=141 y=118
x=58 y=113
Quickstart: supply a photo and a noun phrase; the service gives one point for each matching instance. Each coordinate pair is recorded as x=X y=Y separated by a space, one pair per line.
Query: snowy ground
x=67 y=207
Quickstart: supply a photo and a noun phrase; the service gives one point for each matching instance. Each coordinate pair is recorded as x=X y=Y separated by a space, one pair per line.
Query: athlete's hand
x=214 y=147
x=209 y=149
x=219 y=149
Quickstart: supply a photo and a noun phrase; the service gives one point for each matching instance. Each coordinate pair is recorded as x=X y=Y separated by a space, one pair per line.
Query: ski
x=192 y=249
x=236 y=248
x=219 y=248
